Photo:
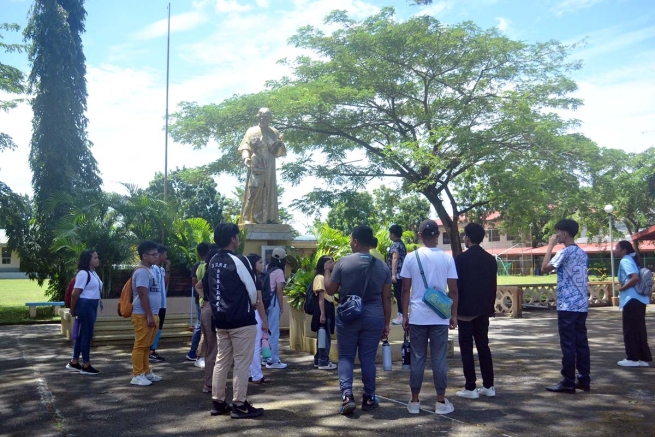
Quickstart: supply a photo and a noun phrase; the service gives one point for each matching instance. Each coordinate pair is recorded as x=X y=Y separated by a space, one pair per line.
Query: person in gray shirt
x=363 y=334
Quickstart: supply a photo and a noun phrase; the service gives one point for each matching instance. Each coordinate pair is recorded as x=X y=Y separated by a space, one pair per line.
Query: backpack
x=310 y=299
x=125 y=305
x=645 y=283
x=267 y=294
x=68 y=296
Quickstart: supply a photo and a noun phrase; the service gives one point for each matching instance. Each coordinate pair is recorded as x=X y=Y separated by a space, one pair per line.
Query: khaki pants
x=238 y=345
x=210 y=345
x=144 y=336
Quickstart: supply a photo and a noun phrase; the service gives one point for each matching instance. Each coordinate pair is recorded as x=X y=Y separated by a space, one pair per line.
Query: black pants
x=478 y=330
x=575 y=347
x=634 y=331
x=397 y=293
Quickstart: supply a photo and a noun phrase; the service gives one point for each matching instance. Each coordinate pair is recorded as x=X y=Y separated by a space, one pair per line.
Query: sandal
x=264 y=380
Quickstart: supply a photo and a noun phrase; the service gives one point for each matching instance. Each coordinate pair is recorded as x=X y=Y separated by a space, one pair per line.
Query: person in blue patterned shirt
x=397 y=253
x=572 y=306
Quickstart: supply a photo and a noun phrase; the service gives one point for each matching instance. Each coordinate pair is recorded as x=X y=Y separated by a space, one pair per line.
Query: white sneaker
x=152 y=377
x=330 y=366
x=278 y=365
x=444 y=408
x=398 y=320
x=643 y=363
x=140 y=380
x=489 y=392
x=413 y=407
x=628 y=363
x=200 y=363
x=468 y=394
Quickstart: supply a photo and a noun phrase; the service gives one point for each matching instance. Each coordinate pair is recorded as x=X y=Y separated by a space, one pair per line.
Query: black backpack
x=310 y=299
x=267 y=294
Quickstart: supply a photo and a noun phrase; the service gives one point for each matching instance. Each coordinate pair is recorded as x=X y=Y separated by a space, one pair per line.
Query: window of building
x=493 y=235
x=6 y=256
x=446 y=238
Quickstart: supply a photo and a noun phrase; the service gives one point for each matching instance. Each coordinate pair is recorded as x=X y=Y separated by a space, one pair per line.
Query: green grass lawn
x=13 y=295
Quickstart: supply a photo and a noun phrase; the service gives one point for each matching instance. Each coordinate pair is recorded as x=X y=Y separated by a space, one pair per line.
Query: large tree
x=11 y=81
x=418 y=100
x=60 y=157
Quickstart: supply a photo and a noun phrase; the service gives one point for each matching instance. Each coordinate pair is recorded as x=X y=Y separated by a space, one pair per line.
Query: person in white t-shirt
x=84 y=307
x=422 y=323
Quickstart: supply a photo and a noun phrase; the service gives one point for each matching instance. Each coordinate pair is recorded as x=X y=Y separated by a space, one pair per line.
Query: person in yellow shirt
x=324 y=314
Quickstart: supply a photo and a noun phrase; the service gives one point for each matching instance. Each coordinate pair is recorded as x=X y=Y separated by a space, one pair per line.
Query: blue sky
x=223 y=47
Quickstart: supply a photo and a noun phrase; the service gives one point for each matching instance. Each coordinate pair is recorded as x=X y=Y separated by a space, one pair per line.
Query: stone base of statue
x=262 y=239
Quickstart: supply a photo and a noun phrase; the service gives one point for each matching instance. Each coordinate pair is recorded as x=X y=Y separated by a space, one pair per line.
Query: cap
x=279 y=253
x=428 y=227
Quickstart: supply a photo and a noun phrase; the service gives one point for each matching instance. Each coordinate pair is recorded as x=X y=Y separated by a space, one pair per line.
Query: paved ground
x=39 y=398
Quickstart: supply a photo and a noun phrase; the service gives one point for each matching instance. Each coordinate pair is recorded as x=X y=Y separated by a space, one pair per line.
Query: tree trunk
x=450 y=225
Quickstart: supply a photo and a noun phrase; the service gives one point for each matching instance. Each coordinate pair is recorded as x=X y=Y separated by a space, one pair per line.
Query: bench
x=33 y=305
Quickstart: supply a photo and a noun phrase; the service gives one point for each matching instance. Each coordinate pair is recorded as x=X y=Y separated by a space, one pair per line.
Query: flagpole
x=168 y=52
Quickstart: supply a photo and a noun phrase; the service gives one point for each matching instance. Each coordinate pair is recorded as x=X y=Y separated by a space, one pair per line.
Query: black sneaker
x=89 y=370
x=245 y=411
x=370 y=402
x=156 y=357
x=348 y=405
x=220 y=407
x=581 y=386
x=73 y=367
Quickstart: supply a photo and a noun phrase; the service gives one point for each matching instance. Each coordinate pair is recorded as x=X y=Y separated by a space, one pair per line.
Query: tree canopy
x=11 y=81
x=418 y=100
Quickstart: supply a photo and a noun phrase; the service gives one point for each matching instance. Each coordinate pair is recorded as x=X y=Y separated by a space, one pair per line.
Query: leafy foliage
x=11 y=81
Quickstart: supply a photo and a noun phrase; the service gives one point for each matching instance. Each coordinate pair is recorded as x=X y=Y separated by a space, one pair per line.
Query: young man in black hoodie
x=230 y=288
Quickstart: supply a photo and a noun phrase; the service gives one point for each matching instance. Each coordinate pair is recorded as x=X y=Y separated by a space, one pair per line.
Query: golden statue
x=260 y=146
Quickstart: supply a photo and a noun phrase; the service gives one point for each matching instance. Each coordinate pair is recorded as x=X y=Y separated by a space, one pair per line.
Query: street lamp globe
x=609 y=209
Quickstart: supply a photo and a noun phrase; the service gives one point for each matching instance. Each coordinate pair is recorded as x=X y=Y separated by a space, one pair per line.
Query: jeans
x=273 y=315
x=195 y=340
x=86 y=311
x=438 y=337
x=144 y=335
x=361 y=336
x=575 y=347
x=162 y=317
x=233 y=345
x=256 y=365
x=478 y=330
x=634 y=331
x=397 y=293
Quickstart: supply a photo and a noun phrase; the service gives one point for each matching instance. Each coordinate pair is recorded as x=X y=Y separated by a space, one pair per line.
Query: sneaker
x=89 y=370
x=348 y=405
x=207 y=389
x=245 y=411
x=414 y=407
x=140 y=380
x=329 y=366
x=278 y=365
x=489 y=392
x=398 y=320
x=192 y=356
x=152 y=377
x=468 y=394
x=444 y=408
x=643 y=363
x=73 y=367
x=200 y=363
x=628 y=363
x=220 y=407
x=370 y=402
x=315 y=365
x=156 y=357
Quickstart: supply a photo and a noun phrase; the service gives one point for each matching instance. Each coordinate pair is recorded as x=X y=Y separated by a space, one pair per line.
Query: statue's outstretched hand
x=247 y=161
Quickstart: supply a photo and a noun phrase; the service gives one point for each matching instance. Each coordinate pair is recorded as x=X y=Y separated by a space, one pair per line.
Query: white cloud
x=503 y=24
x=613 y=39
x=230 y=6
x=180 y=22
x=436 y=8
x=263 y=3
x=567 y=6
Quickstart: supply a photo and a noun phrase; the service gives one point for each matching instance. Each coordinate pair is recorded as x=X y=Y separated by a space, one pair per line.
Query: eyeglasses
x=153 y=254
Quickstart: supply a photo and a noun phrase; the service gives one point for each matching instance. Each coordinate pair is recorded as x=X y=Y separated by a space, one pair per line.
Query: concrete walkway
x=38 y=397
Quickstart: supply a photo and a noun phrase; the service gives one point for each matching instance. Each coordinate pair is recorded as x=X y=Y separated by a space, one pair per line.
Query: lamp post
x=609 y=209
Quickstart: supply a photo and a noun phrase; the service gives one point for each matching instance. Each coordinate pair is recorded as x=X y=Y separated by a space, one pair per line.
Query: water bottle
x=406 y=353
x=322 y=338
x=266 y=347
x=386 y=355
x=75 y=330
